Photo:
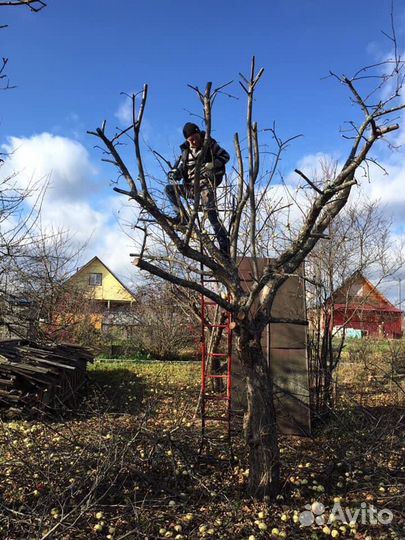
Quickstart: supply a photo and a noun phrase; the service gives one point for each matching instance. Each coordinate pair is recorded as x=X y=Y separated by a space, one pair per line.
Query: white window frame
x=95 y=279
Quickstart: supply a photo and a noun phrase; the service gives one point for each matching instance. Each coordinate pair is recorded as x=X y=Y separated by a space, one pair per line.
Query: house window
x=95 y=279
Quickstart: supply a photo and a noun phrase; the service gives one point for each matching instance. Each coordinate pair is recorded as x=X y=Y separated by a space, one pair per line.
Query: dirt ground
x=126 y=466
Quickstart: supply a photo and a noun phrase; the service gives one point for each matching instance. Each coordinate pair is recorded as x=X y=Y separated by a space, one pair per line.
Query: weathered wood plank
x=30 y=372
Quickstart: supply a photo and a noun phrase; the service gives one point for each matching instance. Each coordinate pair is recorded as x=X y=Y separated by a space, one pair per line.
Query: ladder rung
x=220 y=438
x=217 y=376
x=217 y=325
x=217 y=305
x=217 y=418
x=218 y=354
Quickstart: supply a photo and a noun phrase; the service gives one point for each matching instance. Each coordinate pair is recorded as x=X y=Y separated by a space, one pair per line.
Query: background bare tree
x=33 y=5
x=163 y=324
x=197 y=249
x=34 y=290
x=16 y=219
x=358 y=240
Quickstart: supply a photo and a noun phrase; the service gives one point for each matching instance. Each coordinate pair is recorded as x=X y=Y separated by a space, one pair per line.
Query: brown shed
x=286 y=347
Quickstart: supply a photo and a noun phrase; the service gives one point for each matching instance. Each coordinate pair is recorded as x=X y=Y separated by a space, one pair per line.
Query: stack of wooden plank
x=37 y=377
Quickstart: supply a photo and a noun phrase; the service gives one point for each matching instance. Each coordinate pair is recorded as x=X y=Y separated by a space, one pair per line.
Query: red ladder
x=225 y=361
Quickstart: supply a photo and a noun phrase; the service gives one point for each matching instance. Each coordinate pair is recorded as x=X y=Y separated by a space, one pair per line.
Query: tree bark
x=260 y=418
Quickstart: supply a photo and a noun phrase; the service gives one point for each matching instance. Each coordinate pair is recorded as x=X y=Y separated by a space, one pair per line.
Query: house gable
x=358 y=290
x=359 y=305
x=99 y=283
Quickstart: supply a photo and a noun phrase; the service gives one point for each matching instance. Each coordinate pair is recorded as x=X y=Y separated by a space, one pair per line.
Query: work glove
x=173 y=175
x=208 y=170
x=208 y=167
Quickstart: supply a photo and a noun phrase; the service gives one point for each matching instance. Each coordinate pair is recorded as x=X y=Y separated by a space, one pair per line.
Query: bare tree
x=359 y=241
x=162 y=324
x=249 y=191
x=16 y=220
x=33 y=5
x=35 y=266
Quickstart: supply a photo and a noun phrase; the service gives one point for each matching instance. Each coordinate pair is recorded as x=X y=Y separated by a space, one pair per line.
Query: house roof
x=95 y=258
x=373 y=293
x=366 y=307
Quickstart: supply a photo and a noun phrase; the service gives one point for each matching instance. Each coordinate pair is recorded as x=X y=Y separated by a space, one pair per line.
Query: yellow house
x=110 y=297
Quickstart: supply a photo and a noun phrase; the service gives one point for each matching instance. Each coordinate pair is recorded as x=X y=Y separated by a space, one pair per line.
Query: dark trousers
x=208 y=205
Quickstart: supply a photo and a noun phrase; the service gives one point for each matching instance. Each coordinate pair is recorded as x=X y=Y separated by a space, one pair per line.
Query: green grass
x=184 y=371
x=373 y=346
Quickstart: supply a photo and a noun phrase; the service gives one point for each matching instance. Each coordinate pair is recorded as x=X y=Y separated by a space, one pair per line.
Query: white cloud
x=387 y=188
x=70 y=201
x=45 y=158
x=124 y=111
x=124 y=116
x=311 y=166
x=82 y=221
x=384 y=183
x=116 y=247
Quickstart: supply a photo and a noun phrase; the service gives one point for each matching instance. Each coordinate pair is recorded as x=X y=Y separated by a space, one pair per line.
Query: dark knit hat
x=189 y=129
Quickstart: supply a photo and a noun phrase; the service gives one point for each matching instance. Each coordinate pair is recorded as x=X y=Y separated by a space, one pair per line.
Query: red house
x=359 y=306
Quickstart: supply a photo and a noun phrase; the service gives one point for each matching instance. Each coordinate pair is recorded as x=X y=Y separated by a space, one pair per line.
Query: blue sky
x=72 y=60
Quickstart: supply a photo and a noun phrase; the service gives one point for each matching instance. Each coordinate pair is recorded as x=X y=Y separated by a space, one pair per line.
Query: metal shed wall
x=285 y=345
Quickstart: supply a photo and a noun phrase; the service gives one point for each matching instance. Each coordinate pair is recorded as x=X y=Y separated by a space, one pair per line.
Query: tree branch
x=159 y=272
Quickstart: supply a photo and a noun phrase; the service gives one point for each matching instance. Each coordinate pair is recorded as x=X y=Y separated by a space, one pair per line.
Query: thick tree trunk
x=260 y=419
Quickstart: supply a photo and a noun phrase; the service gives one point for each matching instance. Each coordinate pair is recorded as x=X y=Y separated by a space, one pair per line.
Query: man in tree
x=203 y=160
x=250 y=221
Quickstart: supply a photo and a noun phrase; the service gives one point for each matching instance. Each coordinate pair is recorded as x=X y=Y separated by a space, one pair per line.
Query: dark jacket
x=213 y=154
